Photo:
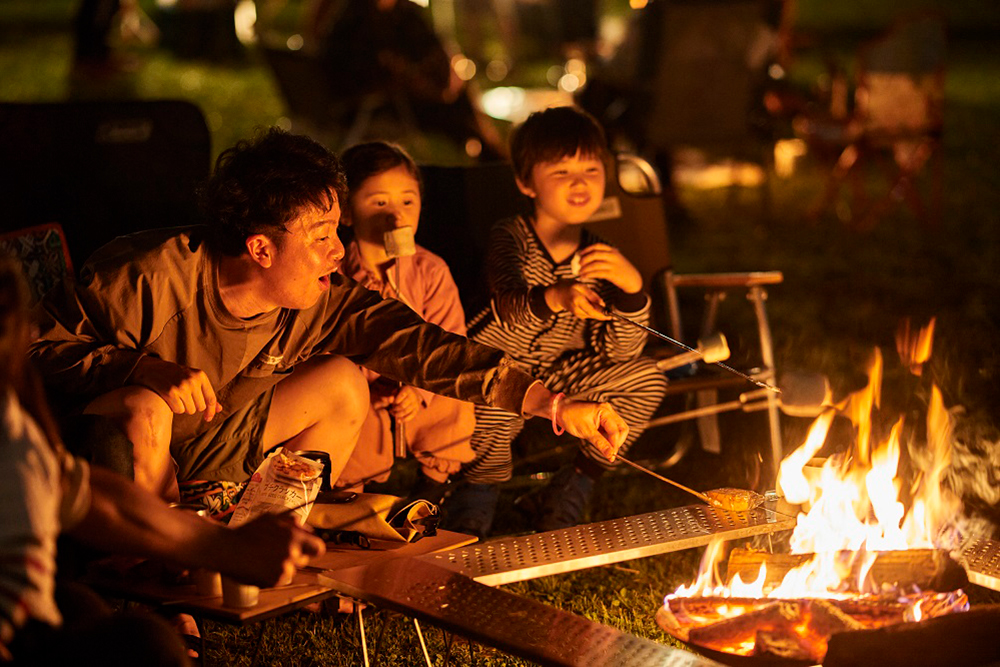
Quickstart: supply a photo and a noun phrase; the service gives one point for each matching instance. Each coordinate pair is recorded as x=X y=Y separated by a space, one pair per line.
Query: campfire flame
x=855 y=505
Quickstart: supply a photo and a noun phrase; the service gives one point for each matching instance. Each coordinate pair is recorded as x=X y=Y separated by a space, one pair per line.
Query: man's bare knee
x=330 y=385
x=146 y=421
x=348 y=389
x=139 y=412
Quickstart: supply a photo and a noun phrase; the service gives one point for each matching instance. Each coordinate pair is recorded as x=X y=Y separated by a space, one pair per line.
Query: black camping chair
x=101 y=169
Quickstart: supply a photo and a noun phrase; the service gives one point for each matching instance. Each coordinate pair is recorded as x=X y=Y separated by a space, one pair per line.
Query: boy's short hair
x=362 y=161
x=552 y=134
x=261 y=184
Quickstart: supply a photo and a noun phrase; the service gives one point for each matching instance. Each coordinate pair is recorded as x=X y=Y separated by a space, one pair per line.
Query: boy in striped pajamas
x=551 y=281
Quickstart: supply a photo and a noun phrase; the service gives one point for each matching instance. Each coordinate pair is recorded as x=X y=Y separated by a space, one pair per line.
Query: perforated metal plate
x=512 y=559
x=981 y=559
x=494 y=617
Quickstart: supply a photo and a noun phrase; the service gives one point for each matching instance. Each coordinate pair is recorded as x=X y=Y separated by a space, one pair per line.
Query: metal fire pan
x=511 y=559
x=497 y=618
x=981 y=560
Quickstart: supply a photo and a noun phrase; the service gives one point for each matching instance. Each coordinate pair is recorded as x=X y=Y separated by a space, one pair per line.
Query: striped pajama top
x=518 y=321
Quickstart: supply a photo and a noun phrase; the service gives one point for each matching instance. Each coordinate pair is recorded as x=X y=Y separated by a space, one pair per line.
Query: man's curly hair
x=261 y=184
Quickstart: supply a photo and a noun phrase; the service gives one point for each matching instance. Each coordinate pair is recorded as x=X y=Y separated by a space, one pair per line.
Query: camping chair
x=461 y=203
x=43 y=253
x=896 y=123
x=102 y=169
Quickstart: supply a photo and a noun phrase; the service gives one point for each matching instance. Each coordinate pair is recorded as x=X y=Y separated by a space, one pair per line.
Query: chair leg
x=841 y=171
x=423 y=645
x=758 y=295
x=364 y=640
x=708 y=425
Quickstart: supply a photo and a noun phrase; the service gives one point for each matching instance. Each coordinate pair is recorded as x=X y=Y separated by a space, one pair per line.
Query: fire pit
x=869 y=551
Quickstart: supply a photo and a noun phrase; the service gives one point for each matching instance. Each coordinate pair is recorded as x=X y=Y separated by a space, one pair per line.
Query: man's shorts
x=230 y=450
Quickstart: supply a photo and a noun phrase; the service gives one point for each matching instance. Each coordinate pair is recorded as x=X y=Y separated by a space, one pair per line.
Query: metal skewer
x=697 y=494
x=759 y=383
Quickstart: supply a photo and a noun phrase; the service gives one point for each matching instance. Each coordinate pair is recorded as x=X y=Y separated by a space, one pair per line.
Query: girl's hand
x=577 y=298
x=383 y=394
x=407 y=404
x=602 y=262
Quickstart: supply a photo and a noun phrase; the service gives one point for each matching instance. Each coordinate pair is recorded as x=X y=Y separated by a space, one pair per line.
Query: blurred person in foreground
x=45 y=491
x=211 y=345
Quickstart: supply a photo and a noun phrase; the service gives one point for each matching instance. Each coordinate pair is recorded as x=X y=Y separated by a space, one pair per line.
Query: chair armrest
x=726 y=280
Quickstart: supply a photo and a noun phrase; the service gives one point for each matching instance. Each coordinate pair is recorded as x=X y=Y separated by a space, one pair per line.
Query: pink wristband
x=554 y=413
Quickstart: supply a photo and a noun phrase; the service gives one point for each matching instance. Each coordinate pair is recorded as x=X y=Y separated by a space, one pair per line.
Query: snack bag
x=284 y=482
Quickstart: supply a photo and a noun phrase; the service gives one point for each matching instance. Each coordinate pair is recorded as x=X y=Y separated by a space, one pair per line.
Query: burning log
x=777 y=617
x=926 y=569
x=795 y=628
x=679 y=615
x=789 y=628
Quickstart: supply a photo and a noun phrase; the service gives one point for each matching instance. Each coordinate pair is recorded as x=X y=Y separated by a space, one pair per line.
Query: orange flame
x=851 y=503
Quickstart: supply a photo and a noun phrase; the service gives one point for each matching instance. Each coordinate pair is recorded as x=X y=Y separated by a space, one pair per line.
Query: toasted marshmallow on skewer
x=399 y=242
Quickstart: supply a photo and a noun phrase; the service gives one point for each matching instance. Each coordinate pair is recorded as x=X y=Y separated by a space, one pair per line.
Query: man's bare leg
x=145 y=419
x=321 y=406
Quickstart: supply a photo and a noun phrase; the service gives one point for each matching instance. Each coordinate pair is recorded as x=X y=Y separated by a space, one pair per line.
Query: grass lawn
x=845 y=293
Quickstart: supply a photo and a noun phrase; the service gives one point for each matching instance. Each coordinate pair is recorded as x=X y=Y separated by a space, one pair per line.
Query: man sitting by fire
x=211 y=345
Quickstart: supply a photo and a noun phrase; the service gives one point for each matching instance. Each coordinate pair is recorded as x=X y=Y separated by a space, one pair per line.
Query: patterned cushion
x=43 y=254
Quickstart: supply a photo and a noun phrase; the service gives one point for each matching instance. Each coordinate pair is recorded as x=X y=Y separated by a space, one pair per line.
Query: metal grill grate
x=981 y=559
x=498 y=618
x=512 y=559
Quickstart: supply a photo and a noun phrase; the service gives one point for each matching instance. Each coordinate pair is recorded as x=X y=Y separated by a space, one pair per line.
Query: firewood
x=784 y=645
x=780 y=616
x=825 y=619
x=873 y=612
x=668 y=623
x=747 y=563
x=702 y=610
x=927 y=569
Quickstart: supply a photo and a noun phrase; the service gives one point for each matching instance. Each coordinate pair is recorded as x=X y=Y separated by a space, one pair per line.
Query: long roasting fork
x=674 y=341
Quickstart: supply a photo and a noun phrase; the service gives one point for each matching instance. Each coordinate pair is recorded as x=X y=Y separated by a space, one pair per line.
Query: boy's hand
x=602 y=262
x=407 y=404
x=597 y=423
x=577 y=298
x=183 y=389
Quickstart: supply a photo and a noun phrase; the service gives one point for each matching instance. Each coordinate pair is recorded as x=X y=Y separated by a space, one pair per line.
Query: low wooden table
x=304 y=589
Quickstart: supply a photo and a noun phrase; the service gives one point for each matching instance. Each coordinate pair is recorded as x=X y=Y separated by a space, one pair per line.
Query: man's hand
x=270 y=550
x=577 y=298
x=183 y=389
x=602 y=262
x=597 y=423
x=407 y=404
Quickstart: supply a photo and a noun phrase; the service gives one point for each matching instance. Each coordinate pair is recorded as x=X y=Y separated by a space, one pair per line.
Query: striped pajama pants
x=634 y=388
